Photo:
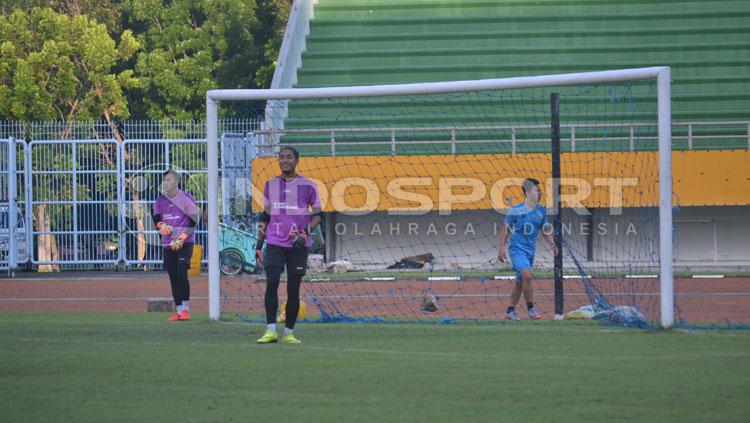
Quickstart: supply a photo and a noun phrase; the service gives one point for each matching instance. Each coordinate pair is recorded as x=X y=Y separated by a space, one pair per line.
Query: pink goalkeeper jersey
x=176 y=212
x=289 y=204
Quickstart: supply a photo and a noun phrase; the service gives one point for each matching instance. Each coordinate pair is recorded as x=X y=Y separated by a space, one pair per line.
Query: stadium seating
x=365 y=42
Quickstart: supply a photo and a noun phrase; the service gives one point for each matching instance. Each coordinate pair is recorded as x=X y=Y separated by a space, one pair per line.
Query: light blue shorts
x=521 y=260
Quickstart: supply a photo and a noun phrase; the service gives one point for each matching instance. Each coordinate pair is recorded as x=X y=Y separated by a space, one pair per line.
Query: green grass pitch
x=138 y=367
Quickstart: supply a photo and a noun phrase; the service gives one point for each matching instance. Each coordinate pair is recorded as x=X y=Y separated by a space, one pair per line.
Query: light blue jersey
x=525 y=225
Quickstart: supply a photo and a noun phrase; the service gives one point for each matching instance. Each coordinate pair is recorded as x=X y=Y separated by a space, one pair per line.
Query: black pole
x=556 y=213
x=590 y=235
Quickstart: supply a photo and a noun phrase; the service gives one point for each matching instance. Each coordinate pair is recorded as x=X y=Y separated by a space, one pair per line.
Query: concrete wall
x=704 y=237
x=712 y=236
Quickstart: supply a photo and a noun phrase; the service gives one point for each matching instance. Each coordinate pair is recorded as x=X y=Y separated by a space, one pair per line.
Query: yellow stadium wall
x=463 y=182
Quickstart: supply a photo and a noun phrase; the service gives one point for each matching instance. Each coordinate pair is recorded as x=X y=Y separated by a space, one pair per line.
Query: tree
x=191 y=47
x=108 y=13
x=273 y=16
x=54 y=66
x=188 y=47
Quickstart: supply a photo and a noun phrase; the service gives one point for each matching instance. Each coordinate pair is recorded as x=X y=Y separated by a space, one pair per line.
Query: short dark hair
x=292 y=149
x=528 y=183
x=173 y=172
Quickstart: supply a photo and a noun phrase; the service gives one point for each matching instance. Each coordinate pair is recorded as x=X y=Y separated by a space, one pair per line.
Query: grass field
x=137 y=367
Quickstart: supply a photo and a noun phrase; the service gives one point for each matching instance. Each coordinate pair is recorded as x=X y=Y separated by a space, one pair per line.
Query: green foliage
x=108 y=13
x=53 y=66
x=273 y=15
x=81 y=59
x=194 y=46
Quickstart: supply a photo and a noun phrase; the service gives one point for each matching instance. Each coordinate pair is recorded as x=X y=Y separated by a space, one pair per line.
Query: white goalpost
x=661 y=76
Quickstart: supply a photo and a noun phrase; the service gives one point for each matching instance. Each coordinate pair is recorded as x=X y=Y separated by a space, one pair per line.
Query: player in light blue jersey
x=524 y=221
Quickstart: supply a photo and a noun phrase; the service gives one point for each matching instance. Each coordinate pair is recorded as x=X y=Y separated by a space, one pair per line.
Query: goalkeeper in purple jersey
x=176 y=215
x=291 y=210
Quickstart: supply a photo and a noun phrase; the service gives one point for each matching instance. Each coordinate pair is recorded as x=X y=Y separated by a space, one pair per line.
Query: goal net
x=416 y=181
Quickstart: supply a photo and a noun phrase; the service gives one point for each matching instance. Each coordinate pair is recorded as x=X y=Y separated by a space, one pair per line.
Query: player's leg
x=296 y=266
x=271 y=298
x=528 y=291
x=274 y=261
x=515 y=295
x=292 y=300
x=520 y=261
x=169 y=258
x=182 y=281
x=527 y=279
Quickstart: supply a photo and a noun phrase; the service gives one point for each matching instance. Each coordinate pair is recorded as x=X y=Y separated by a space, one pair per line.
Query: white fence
x=73 y=200
x=142 y=174
x=80 y=195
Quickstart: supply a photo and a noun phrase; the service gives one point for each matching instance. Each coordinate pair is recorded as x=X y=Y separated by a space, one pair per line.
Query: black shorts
x=181 y=257
x=295 y=259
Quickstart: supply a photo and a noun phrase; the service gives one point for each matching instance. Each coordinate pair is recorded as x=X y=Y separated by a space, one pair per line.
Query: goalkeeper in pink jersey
x=176 y=215
x=291 y=210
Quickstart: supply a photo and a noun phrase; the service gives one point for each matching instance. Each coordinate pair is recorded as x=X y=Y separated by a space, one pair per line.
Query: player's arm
x=194 y=216
x=316 y=212
x=547 y=232
x=157 y=219
x=262 y=225
x=504 y=232
x=508 y=222
x=316 y=218
x=162 y=227
x=265 y=218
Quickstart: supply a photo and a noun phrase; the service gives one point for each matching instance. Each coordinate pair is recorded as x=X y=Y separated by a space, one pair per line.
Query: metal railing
x=71 y=192
x=139 y=188
x=637 y=134
x=89 y=185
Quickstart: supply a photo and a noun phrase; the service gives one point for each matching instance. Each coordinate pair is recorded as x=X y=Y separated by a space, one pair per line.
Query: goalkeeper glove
x=164 y=229
x=299 y=238
x=178 y=242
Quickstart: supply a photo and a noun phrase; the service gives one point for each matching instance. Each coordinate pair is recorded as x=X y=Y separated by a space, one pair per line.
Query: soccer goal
x=415 y=181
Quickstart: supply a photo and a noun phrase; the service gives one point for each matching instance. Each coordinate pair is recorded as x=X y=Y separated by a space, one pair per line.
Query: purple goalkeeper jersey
x=176 y=212
x=289 y=204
